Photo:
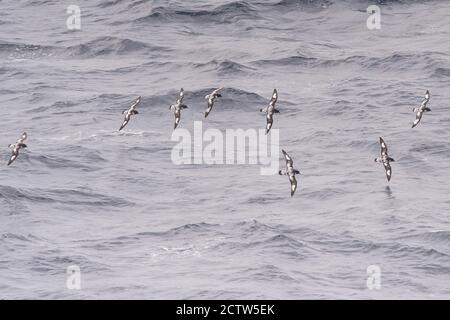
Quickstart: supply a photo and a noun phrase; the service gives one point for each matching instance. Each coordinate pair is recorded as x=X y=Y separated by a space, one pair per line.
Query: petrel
x=16 y=147
x=385 y=159
x=290 y=172
x=270 y=110
x=211 y=97
x=420 y=110
x=130 y=112
x=177 y=107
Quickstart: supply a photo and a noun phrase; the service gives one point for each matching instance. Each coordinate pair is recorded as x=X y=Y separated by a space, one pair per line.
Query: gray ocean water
x=139 y=226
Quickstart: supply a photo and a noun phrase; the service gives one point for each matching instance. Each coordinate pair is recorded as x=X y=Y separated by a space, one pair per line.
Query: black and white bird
x=177 y=107
x=270 y=110
x=211 y=97
x=423 y=108
x=290 y=172
x=385 y=159
x=130 y=112
x=16 y=147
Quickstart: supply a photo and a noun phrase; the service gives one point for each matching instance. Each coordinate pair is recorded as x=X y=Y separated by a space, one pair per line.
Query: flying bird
x=290 y=172
x=130 y=112
x=177 y=107
x=270 y=110
x=420 y=110
x=385 y=159
x=211 y=97
x=16 y=147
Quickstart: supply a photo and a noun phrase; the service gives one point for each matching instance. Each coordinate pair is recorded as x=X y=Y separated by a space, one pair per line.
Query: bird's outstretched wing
x=180 y=96
x=124 y=123
x=22 y=138
x=289 y=161
x=208 y=110
x=215 y=92
x=384 y=148
x=418 y=118
x=135 y=103
x=293 y=182
x=388 y=169
x=269 y=123
x=425 y=101
x=427 y=95
x=274 y=96
x=13 y=157
x=177 y=121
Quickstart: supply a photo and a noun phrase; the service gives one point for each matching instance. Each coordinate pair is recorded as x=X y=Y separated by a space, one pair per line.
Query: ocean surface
x=140 y=227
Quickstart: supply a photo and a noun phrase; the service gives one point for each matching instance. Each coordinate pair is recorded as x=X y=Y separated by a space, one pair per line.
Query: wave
x=58 y=105
x=442 y=73
x=110 y=3
x=8 y=236
x=226 y=13
x=289 y=61
x=283 y=241
x=430 y=61
x=86 y=160
x=72 y=197
x=431 y=148
x=53 y=261
x=25 y=51
x=245 y=229
x=400 y=251
x=99 y=47
x=223 y=67
x=304 y=3
x=111 y=46
x=437 y=237
x=394 y=249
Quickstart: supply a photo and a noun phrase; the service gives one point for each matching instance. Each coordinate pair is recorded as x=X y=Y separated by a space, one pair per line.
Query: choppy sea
x=140 y=227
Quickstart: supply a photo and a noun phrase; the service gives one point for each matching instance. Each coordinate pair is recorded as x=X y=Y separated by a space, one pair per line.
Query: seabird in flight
x=16 y=147
x=177 y=107
x=270 y=110
x=130 y=112
x=385 y=159
x=290 y=172
x=420 y=110
x=211 y=97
